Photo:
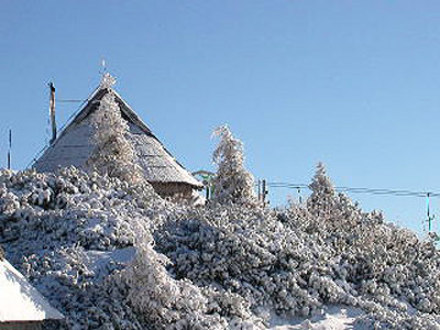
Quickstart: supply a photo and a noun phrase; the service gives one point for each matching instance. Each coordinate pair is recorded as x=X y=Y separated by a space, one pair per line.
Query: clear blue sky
x=352 y=83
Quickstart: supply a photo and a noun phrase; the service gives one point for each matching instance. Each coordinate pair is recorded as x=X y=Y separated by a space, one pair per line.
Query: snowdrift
x=113 y=256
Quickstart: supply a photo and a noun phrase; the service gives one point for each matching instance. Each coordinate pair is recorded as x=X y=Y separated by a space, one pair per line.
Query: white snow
x=100 y=261
x=336 y=317
x=19 y=300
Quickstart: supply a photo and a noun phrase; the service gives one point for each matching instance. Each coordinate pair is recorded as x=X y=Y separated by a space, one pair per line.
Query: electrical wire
x=83 y=102
x=360 y=190
x=69 y=101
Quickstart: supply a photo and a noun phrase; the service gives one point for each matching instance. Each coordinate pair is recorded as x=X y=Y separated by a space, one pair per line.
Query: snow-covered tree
x=323 y=197
x=114 y=154
x=232 y=183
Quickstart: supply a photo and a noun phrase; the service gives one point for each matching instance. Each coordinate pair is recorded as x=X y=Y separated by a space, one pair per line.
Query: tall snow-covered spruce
x=114 y=154
x=232 y=183
x=323 y=197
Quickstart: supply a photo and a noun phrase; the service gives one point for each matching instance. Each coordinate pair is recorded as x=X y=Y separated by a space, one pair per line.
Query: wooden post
x=52 y=112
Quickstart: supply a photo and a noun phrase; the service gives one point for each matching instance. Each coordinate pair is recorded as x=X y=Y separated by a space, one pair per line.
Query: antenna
x=52 y=112
x=9 y=149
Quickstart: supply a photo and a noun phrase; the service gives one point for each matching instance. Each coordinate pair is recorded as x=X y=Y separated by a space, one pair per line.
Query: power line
x=69 y=101
x=361 y=190
x=372 y=191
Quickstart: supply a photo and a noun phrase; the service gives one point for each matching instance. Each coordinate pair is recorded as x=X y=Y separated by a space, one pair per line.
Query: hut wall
x=173 y=189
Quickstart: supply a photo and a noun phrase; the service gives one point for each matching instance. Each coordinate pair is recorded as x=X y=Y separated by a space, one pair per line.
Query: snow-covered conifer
x=232 y=183
x=114 y=154
x=323 y=197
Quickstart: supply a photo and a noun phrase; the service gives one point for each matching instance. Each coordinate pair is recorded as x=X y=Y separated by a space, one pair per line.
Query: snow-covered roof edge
x=24 y=303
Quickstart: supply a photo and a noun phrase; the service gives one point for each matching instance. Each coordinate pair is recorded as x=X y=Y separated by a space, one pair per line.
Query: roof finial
x=103 y=67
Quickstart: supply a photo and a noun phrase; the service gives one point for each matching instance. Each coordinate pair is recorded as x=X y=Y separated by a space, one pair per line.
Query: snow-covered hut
x=22 y=307
x=74 y=145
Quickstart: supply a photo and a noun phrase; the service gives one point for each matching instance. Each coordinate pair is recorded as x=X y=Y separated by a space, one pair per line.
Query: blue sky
x=354 y=84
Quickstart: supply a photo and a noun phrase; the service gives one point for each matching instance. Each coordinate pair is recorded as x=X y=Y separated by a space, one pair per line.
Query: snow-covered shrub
x=68 y=232
x=110 y=255
x=166 y=302
x=113 y=154
x=232 y=183
x=248 y=251
x=163 y=301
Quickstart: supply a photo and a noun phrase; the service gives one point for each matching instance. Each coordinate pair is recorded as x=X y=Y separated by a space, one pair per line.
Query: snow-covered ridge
x=109 y=255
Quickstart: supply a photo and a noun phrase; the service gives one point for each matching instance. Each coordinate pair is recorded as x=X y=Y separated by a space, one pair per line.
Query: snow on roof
x=74 y=145
x=19 y=300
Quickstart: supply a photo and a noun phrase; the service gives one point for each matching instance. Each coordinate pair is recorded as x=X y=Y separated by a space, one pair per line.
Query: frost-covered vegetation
x=232 y=183
x=113 y=155
x=109 y=253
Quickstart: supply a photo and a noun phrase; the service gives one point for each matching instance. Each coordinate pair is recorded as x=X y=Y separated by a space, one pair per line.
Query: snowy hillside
x=112 y=256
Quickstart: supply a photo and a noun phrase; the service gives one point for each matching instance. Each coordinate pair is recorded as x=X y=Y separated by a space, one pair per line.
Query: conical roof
x=74 y=145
